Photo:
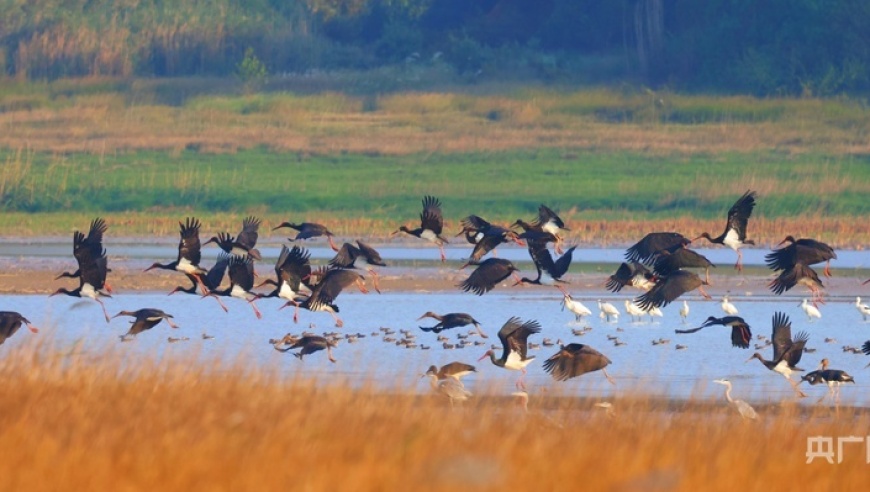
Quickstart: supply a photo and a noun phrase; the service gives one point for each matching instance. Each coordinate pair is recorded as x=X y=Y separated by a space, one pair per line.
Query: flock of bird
x=658 y=266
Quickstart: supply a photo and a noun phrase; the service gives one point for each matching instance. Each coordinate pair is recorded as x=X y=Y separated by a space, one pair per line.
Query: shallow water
x=77 y=328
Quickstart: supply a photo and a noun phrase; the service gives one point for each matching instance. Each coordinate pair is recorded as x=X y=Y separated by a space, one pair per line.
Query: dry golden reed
x=97 y=419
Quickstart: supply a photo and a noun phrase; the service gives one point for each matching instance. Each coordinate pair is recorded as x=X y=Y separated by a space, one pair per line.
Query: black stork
x=487 y=275
x=831 y=377
x=741 y=335
x=576 y=359
x=734 y=235
x=10 y=322
x=866 y=349
x=669 y=288
x=92 y=271
x=348 y=254
x=454 y=370
x=514 y=336
x=309 y=345
x=798 y=274
x=485 y=236
x=431 y=224
x=146 y=319
x=805 y=251
x=241 y=282
x=212 y=279
x=245 y=243
x=631 y=273
x=669 y=262
x=324 y=293
x=787 y=351
x=90 y=246
x=451 y=320
x=548 y=223
x=189 y=254
x=292 y=271
x=648 y=249
x=549 y=272
x=308 y=230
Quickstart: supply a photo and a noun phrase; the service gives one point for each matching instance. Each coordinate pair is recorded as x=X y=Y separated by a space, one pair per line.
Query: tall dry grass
x=72 y=421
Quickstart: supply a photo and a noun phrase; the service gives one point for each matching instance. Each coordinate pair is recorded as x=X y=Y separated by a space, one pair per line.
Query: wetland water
x=76 y=327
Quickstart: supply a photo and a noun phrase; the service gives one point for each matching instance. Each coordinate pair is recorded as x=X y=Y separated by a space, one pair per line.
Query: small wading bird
x=575 y=307
x=348 y=254
x=746 y=411
x=92 y=271
x=241 y=282
x=670 y=288
x=862 y=308
x=245 y=243
x=608 y=311
x=146 y=319
x=787 y=351
x=189 y=254
x=292 y=270
x=831 y=377
x=810 y=310
x=684 y=311
x=734 y=235
x=10 y=322
x=514 y=336
x=729 y=308
x=576 y=359
x=323 y=294
x=451 y=320
x=309 y=230
x=488 y=274
x=431 y=224
x=633 y=274
x=741 y=335
x=309 y=345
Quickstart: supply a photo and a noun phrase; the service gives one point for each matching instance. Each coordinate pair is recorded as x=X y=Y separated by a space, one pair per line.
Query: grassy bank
x=67 y=422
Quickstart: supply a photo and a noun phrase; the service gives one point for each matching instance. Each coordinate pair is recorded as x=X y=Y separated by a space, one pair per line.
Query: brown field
x=70 y=423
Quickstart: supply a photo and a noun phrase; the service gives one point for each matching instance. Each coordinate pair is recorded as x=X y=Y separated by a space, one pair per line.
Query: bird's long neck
x=497 y=362
x=433 y=381
x=728 y=394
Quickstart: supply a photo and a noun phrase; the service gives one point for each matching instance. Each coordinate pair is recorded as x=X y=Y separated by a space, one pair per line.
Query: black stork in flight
x=90 y=246
x=241 y=282
x=487 y=275
x=431 y=224
x=648 y=249
x=787 y=351
x=547 y=222
x=631 y=273
x=549 y=272
x=92 y=271
x=145 y=319
x=669 y=262
x=10 y=322
x=669 y=288
x=292 y=271
x=576 y=359
x=189 y=254
x=741 y=335
x=734 y=235
x=805 y=251
x=308 y=230
x=245 y=243
x=798 y=274
x=324 y=293
x=831 y=377
x=514 y=336
x=310 y=344
x=485 y=236
x=348 y=254
x=451 y=320
x=212 y=279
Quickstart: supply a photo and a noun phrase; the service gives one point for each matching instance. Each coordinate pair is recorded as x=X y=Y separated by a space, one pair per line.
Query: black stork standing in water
x=309 y=230
x=549 y=272
x=514 y=336
x=648 y=249
x=633 y=274
x=92 y=271
x=245 y=243
x=146 y=319
x=787 y=351
x=212 y=279
x=292 y=271
x=431 y=224
x=669 y=288
x=576 y=359
x=189 y=254
x=348 y=254
x=741 y=335
x=831 y=377
x=241 y=282
x=90 y=246
x=487 y=275
x=669 y=262
x=324 y=293
x=309 y=345
x=734 y=235
x=10 y=322
x=451 y=320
